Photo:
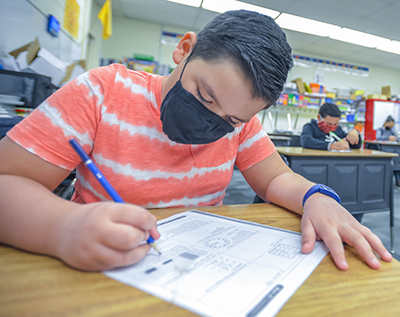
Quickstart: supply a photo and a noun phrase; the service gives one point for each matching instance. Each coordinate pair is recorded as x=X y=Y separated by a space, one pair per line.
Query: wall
x=94 y=40
x=378 y=77
x=129 y=37
x=24 y=20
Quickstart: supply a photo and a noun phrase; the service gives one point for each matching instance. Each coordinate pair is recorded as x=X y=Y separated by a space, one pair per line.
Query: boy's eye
x=232 y=121
x=202 y=99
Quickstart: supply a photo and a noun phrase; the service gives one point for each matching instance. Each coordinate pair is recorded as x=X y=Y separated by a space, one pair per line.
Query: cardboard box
x=300 y=85
x=386 y=92
x=73 y=71
x=33 y=58
x=377 y=96
x=9 y=63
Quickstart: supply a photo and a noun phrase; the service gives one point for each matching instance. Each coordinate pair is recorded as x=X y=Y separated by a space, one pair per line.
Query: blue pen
x=103 y=181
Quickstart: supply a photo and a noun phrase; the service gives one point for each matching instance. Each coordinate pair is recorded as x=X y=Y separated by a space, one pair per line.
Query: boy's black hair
x=329 y=109
x=255 y=43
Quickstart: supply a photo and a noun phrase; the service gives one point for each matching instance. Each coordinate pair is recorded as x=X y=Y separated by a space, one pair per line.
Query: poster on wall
x=71 y=17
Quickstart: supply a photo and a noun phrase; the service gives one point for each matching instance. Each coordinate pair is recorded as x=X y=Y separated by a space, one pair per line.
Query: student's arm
x=308 y=140
x=354 y=138
x=323 y=217
x=96 y=236
x=393 y=135
x=379 y=134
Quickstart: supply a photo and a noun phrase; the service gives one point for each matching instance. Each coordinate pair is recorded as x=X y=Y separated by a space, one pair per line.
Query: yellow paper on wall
x=71 y=17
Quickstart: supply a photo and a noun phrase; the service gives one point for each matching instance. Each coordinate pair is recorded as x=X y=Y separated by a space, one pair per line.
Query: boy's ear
x=184 y=47
x=319 y=117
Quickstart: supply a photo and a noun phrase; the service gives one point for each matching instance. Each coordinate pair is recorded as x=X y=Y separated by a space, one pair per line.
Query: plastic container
x=350 y=117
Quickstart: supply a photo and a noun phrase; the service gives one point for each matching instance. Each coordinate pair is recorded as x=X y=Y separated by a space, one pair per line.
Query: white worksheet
x=218 y=266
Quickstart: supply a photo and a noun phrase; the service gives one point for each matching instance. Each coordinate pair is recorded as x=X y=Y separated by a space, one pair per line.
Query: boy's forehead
x=226 y=84
x=331 y=119
x=214 y=73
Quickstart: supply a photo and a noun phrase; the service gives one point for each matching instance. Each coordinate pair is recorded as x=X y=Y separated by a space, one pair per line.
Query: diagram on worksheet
x=221 y=266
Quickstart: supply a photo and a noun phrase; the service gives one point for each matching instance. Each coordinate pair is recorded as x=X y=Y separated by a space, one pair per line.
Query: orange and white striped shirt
x=114 y=113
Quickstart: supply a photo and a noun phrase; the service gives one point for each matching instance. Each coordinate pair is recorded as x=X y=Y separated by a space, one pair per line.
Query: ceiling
x=377 y=17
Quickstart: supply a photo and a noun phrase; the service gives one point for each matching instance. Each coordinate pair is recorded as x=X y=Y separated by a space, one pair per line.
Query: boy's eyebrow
x=210 y=92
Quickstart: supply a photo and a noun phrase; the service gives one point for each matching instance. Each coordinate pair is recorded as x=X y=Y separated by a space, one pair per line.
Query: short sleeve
x=73 y=111
x=254 y=145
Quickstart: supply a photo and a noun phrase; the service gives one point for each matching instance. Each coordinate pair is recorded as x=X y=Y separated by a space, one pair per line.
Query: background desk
x=279 y=140
x=294 y=138
x=35 y=285
x=393 y=147
x=362 y=178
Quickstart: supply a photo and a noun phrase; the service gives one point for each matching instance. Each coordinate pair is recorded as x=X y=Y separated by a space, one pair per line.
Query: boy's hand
x=341 y=145
x=352 y=137
x=324 y=219
x=105 y=235
x=392 y=138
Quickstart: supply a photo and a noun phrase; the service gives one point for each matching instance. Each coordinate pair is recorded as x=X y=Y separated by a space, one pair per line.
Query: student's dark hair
x=255 y=43
x=329 y=109
x=389 y=119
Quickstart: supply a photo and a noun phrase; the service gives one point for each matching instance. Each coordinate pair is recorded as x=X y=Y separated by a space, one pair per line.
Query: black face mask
x=186 y=120
x=387 y=128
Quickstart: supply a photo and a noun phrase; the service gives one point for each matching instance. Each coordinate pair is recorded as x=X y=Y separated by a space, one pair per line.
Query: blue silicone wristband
x=319 y=188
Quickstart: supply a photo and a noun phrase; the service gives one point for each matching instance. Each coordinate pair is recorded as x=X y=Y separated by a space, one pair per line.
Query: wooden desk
x=35 y=285
x=362 y=178
x=386 y=146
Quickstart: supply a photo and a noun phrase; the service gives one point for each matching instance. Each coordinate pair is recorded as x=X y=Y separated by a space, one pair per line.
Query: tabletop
x=37 y=285
x=383 y=142
x=280 y=138
x=300 y=151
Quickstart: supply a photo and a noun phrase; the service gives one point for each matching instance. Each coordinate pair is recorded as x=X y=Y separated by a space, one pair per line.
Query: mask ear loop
x=186 y=63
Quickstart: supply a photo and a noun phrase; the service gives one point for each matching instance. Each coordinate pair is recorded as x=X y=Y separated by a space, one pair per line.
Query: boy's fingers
x=376 y=244
x=111 y=258
x=308 y=236
x=122 y=237
x=335 y=246
x=358 y=241
x=134 y=216
x=154 y=233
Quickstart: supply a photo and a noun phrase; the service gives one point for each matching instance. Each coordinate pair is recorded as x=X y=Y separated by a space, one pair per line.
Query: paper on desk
x=218 y=266
x=341 y=151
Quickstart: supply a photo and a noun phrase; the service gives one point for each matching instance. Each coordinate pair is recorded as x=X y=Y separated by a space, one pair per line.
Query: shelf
x=294 y=109
x=314 y=94
x=352 y=122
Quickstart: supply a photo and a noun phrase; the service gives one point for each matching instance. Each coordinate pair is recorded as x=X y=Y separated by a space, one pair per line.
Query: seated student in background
x=162 y=142
x=316 y=134
x=387 y=133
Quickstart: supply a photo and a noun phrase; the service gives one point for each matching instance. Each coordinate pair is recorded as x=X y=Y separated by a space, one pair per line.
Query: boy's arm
x=90 y=237
x=308 y=140
x=323 y=217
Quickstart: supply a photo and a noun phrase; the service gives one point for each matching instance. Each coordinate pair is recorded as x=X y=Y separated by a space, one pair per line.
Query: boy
x=162 y=142
x=316 y=135
x=387 y=132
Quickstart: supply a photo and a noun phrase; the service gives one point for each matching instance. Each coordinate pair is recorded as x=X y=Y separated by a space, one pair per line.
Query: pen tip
x=155 y=248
